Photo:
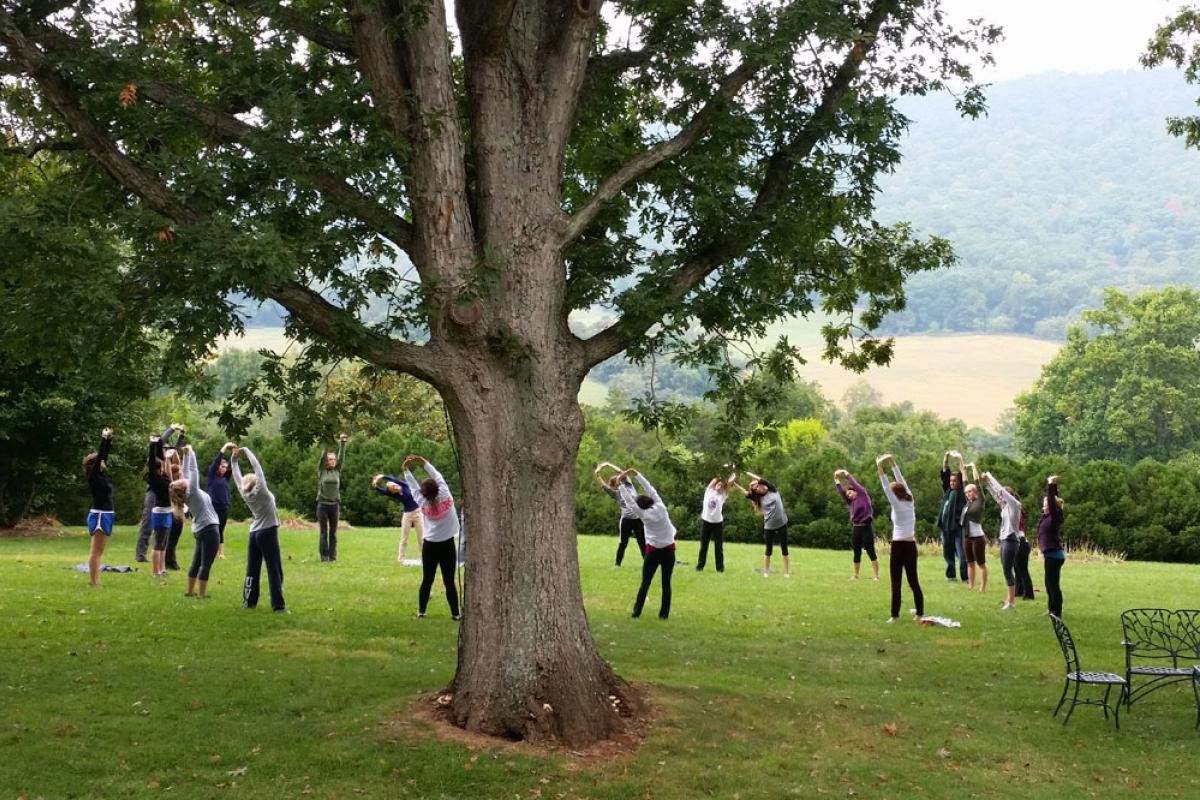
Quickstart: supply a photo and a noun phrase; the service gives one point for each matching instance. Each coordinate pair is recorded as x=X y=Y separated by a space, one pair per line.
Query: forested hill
x=1070 y=184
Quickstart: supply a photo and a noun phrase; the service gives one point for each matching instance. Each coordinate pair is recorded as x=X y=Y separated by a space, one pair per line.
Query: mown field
x=974 y=377
x=765 y=688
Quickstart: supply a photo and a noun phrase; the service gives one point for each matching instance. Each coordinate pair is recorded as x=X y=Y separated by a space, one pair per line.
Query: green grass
x=767 y=688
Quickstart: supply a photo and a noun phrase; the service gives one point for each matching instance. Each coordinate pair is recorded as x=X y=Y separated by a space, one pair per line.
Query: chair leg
x=1117 y=710
x=1107 y=692
x=1066 y=685
x=1074 y=700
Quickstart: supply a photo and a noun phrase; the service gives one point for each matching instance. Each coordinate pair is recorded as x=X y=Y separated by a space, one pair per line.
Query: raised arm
x=1052 y=499
x=1001 y=495
x=212 y=468
x=341 y=455
x=236 y=472
x=104 y=449
x=258 y=473
x=190 y=471
x=650 y=490
x=443 y=487
x=155 y=457
x=899 y=476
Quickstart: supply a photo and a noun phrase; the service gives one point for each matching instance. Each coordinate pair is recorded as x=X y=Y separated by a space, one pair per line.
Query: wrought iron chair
x=1162 y=645
x=1196 y=691
x=1076 y=676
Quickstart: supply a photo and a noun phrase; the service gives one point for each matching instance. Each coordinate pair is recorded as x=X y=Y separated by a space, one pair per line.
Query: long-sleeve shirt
x=1010 y=508
x=861 y=510
x=1050 y=525
x=904 y=512
x=218 y=485
x=198 y=500
x=714 y=505
x=627 y=508
x=158 y=483
x=99 y=482
x=405 y=497
x=953 y=502
x=260 y=501
x=441 y=520
x=660 y=533
x=774 y=516
x=329 y=481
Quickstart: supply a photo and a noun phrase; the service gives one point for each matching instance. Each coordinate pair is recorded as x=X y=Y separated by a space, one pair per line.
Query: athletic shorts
x=100 y=521
x=976 y=547
x=159 y=520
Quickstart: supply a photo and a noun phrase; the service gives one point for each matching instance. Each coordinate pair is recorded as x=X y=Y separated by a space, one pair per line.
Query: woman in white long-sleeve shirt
x=660 y=540
x=441 y=526
x=1010 y=527
x=904 y=536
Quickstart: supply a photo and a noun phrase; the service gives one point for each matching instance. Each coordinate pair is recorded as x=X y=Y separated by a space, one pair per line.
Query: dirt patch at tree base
x=430 y=715
x=37 y=528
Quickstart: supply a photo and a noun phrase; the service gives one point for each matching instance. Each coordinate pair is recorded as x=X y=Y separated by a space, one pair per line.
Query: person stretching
x=976 y=539
x=1050 y=543
x=100 y=517
x=205 y=525
x=862 y=534
x=954 y=500
x=1024 y=579
x=218 y=489
x=775 y=520
x=630 y=526
x=712 y=521
x=441 y=526
x=660 y=541
x=904 y=536
x=329 y=489
x=151 y=501
x=397 y=490
x=263 y=542
x=162 y=512
x=1010 y=522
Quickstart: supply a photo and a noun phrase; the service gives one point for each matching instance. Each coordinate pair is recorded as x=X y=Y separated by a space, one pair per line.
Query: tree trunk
x=528 y=667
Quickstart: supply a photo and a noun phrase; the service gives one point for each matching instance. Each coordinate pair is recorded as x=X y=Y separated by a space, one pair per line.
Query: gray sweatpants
x=143 y=541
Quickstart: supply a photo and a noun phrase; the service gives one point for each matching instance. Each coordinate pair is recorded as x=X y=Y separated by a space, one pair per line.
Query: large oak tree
x=697 y=170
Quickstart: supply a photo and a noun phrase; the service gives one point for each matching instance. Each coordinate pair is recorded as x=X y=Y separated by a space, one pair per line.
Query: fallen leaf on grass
x=890 y=729
x=236 y=773
x=943 y=752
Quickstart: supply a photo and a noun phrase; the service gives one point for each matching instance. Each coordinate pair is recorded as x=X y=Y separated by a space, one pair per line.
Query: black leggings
x=1008 y=560
x=207 y=539
x=263 y=546
x=631 y=528
x=161 y=537
x=664 y=558
x=714 y=531
x=434 y=555
x=1054 y=597
x=862 y=537
x=776 y=535
x=327 y=520
x=222 y=518
x=173 y=542
x=904 y=559
x=1024 y=579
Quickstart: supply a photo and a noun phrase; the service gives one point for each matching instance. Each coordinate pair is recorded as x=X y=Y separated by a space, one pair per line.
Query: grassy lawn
x=768 y=688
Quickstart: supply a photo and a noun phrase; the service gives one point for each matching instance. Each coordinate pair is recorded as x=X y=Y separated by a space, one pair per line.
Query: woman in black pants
x=630 y=526
x=441 y=526
x=218 y=490
x=1050 y=543
x=1024 y=579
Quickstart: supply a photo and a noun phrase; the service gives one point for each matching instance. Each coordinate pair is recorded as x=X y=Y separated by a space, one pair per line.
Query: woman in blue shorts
x=100 y=517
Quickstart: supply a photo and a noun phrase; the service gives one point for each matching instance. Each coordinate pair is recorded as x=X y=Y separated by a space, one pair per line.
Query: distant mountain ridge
x=1071 y=183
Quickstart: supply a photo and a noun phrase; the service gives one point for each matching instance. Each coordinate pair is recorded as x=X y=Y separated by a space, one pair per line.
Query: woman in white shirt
x=660 y=540
x=904 y=536
x=712 y=522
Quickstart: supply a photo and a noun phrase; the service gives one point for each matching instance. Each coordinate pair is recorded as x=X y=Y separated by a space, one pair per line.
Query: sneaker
x=281 y=610
x=635 y=615
x=890 y=620
x=787 y=574
x=142 y=560
x=853 y=577
x=1005 y=606
x=875 y=578
x=420 y=615
x=456 y=617
x=189 y=594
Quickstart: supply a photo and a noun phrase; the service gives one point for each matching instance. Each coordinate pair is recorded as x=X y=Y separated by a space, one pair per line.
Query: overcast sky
x=1066 y=35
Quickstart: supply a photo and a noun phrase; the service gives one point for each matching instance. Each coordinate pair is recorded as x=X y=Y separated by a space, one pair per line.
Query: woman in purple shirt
x=862 y=535
x=1050 y=543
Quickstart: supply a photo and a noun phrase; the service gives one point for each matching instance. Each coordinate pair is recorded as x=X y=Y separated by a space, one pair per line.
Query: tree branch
x=297 y=22
x=336 y=325
x=31 y=150
x=640 y=165
x=381 y=59
x=616 y=337
x=374 y=214
x=344 y=330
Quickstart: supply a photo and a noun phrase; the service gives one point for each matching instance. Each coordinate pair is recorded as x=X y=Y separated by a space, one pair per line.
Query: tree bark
x=528 y=667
